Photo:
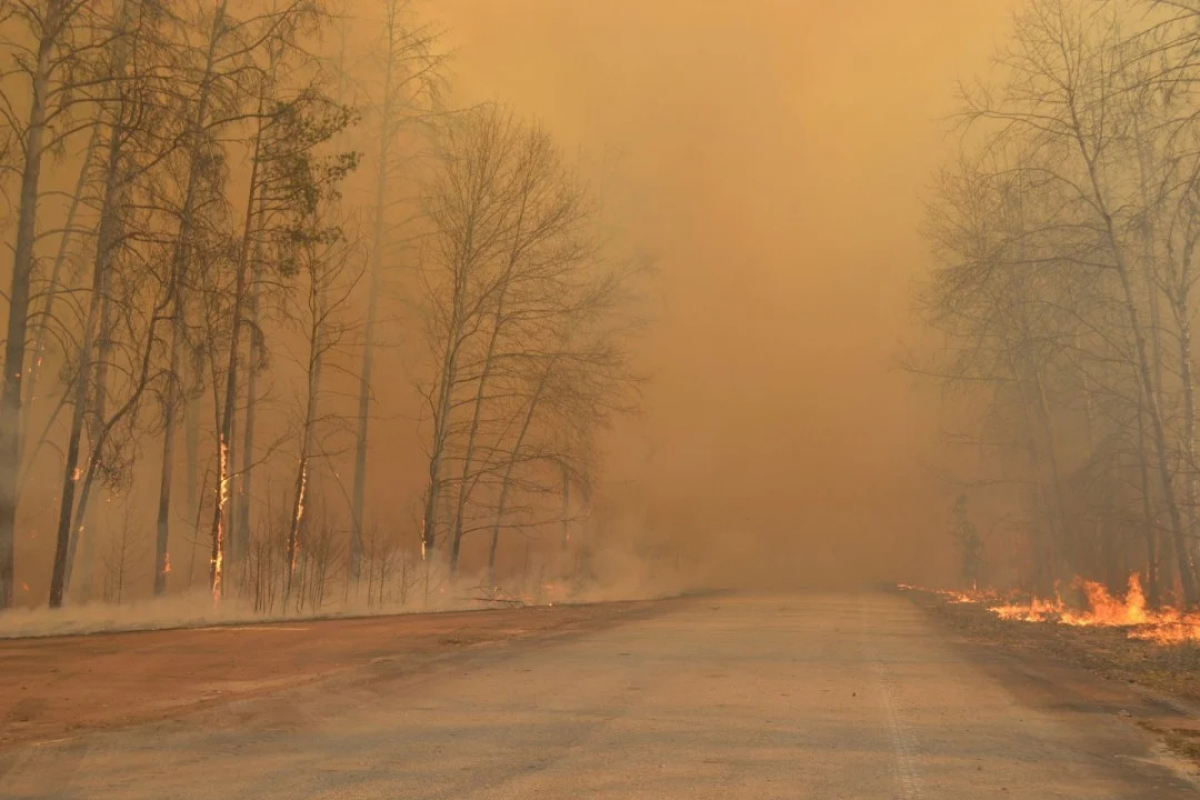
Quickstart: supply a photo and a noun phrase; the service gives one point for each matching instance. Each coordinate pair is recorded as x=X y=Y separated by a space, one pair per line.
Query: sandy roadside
x=54 y=687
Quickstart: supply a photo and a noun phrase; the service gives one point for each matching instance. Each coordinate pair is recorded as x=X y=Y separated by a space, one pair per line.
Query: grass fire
x=1100 y=609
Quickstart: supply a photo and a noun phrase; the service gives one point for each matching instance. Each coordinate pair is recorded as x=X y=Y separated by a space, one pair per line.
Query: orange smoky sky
x=771 y=155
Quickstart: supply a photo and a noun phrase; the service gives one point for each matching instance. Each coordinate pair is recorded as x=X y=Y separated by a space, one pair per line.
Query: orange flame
x=222 y=501
x=1161 y=626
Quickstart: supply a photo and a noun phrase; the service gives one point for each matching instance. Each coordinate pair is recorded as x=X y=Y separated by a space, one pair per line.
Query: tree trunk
x=374 y=289
x=464 y=487
x=296 y=523
x=506 y=482
x=180 y=265
x=441 y=426
x=240 y=542
x=18 y=309
x=1149 y=520
x=162 y=537
x=1187 y=386
x=566 y=505
x=42 y=323
x=1187 y=574
x=67 y=540
x=229 y=405
x=1145 y=371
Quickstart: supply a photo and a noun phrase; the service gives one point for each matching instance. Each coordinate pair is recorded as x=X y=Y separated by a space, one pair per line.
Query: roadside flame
x=1161 y=626
x=166 y=563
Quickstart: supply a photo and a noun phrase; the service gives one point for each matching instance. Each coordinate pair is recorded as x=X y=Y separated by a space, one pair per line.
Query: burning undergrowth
x=1129 y=611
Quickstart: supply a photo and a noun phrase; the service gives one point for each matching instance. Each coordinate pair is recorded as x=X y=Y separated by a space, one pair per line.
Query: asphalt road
x=846 y=696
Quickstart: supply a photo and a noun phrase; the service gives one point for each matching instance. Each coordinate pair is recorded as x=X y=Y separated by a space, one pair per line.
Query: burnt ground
x=65 y=686
x=1166 y=676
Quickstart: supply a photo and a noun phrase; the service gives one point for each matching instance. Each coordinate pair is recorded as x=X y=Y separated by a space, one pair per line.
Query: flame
x=1161 y=626
x=24 y=586
x=166 y=563
x=299 y=512
x=222 y=501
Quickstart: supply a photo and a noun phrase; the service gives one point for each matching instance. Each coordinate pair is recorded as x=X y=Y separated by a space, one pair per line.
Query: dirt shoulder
x=1104 y=651
x=1158 y=686
x=57 y=687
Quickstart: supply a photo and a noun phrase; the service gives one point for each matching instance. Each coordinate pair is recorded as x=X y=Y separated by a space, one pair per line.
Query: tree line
x=225 y=219
x=1065 y=240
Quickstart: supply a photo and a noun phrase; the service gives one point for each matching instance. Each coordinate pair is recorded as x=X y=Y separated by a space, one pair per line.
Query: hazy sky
x=772 y=154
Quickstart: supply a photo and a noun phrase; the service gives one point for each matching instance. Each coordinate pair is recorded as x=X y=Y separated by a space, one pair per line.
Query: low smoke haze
x=749 y=416
x=773 y=157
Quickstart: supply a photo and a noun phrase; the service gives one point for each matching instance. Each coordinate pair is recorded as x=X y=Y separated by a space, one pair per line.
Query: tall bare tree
x=48 y=70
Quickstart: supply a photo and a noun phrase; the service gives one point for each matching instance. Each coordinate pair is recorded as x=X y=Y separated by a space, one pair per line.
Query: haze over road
x=833 y=696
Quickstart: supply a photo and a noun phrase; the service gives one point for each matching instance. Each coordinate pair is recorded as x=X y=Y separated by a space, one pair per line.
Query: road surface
x=831 y=696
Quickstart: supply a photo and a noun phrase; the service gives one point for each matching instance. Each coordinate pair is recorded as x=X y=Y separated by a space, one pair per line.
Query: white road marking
x=904 y=764
x=903 y=740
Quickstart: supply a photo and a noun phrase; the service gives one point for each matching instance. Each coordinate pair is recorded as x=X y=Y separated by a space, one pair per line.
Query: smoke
x=769 y=158
x=771 y=155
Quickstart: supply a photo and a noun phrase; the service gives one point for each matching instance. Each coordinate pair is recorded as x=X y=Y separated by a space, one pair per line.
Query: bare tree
x=406 y=57
x=329 y=283
x=48 y=69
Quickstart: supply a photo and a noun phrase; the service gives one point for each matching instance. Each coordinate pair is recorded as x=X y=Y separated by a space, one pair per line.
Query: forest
x=262 y=263
x=1063 y=297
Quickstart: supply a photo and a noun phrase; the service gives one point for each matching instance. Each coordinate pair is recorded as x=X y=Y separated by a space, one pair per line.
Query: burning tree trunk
x=228 y=405
x=181 y=261
x=287 y=180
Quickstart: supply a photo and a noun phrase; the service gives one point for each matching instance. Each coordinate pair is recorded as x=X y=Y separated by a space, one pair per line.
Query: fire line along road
x=741 y=696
